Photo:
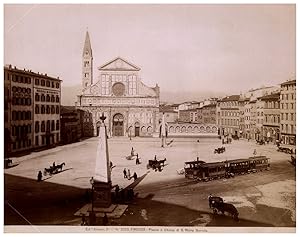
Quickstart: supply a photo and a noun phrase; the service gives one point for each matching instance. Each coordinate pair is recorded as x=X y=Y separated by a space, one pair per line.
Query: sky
x=220 y=48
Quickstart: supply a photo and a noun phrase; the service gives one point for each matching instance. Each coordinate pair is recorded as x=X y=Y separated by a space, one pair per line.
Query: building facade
x=288 y=112
x=207 y=114
x=46 y=119
x=228 y=115
x=131 y=108
x=188 y=116
x=271 y=123
x=27 y=103
x=70 y=130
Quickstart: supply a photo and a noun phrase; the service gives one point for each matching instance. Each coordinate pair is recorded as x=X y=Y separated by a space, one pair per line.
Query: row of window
x=21 y=130
x=46 y=109
x=21 y=115
x=287 y=117
x=289 y=87
x=46 y=98
x=21 y=79
x=17 y=89
x=48 y=125
x=272 y=118
x=22 y=143
x=288 y=96
x=44 y=139
x=46 y=83
x=230 y=114
x=272 y=105
x=21 y=101
x=229 y=104
x=230 y=122
x=287 y=128
x=286 y=106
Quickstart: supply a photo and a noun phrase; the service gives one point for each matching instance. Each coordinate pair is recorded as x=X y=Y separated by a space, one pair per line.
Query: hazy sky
x=228 y=48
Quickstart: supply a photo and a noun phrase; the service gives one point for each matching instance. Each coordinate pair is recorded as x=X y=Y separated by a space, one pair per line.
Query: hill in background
x=69 y=95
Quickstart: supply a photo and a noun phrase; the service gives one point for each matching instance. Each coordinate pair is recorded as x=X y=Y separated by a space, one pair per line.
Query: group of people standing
x=127 y=175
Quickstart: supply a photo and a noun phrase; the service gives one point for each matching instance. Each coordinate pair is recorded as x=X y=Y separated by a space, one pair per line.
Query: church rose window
x=118 y=89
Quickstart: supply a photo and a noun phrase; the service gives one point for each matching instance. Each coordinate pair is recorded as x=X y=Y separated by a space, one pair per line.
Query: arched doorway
x=137 y=129
x=118 y=125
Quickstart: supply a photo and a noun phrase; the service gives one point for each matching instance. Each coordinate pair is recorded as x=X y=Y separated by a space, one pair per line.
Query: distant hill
x=69 y=95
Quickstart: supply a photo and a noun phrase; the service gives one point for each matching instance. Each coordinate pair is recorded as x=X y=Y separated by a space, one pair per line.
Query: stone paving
x=256 y=190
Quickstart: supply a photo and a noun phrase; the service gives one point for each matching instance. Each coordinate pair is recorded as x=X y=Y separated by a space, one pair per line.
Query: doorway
x=136 y=129
x=118 y=125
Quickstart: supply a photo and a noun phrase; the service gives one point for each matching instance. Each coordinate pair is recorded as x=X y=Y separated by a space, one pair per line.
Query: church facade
x=131 y=108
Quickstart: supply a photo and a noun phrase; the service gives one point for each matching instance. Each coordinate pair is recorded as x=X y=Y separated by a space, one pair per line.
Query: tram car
x=209 y=171
x=192 y=168
x=215 y=170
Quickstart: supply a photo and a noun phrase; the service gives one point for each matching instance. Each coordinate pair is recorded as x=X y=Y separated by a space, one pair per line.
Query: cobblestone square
x=258 y=197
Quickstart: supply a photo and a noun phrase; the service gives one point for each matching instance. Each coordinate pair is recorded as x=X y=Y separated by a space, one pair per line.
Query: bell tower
x=87 y=63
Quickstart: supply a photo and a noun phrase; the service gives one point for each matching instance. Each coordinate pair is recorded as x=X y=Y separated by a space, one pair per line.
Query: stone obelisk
x=163 y=131
x=102 y=178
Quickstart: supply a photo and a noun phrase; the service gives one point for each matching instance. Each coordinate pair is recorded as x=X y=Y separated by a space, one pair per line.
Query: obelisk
x=163 y=131
x=102 y=178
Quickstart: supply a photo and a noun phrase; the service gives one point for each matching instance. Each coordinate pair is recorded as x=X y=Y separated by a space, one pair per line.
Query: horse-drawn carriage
x=293 y=159
x=219 y=150
x=289 y=149
x=261 y=142
x=219 y=206
x=53 y=169
x=156 y=164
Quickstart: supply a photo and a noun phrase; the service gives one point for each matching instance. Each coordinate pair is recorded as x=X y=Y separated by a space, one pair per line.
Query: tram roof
x=214 y=164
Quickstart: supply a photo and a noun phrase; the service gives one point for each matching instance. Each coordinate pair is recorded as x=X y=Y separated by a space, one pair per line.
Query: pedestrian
x=135 y=176
x=155 y=158
x=110 y=165
x=137 y=159
x=125 y=173
x=83 y=221
x=254 y=152
x=128 y=174
x=132 y=151
x=39 y=177
x=210 y=200
x=53 y=164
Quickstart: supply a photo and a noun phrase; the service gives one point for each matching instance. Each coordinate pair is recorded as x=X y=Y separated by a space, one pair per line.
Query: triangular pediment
x=119 y=64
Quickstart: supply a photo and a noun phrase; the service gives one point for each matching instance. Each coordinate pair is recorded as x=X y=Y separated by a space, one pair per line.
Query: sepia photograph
x=149 y=118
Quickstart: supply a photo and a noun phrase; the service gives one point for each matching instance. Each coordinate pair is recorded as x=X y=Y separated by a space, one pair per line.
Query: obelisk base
x=101 y=194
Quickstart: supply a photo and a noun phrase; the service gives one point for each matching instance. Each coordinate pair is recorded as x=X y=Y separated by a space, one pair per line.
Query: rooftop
x=231 y=98
x=29 y=72
x=291 y=82
x=274 y=96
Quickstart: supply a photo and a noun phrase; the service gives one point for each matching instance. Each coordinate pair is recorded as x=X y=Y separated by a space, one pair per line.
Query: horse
x=162 y=162
x=48 y=170
x=59 y=167
x=226 y=207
